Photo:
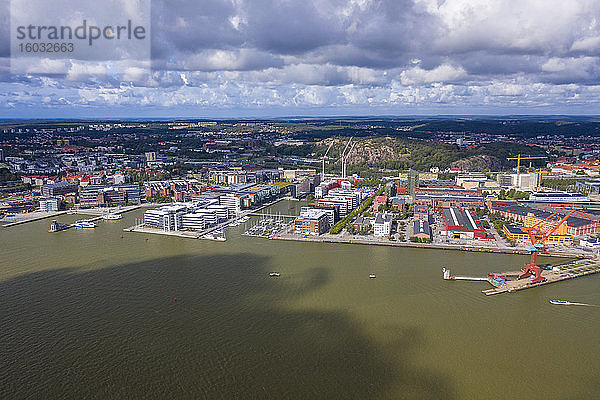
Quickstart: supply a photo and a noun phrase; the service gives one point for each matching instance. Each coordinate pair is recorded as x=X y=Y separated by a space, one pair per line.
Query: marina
x=269 y=225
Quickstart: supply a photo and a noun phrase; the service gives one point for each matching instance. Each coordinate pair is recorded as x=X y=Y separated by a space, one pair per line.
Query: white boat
x=570 y=303
x=83 y=223
x=111 y=217
x=372 y=276
x=560 y=302
x=274 y=274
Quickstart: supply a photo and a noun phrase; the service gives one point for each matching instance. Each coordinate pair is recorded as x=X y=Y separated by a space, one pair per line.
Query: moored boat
x=83 y=223
x=112 y=217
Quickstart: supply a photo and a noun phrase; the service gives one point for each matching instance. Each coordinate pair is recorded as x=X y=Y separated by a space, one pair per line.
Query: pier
x=502 y=284
x=57 y=227
x=557 y=274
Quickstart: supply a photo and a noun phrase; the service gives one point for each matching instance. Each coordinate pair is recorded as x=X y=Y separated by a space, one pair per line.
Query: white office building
x=193 y=221
x=382 y=225
x=168 y=218
x=221 y=211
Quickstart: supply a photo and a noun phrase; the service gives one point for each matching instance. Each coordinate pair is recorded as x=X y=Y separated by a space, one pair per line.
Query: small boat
x=111 y=217
x=274 y=274
x=561 y=302
x=83 y=223
x=372 y=276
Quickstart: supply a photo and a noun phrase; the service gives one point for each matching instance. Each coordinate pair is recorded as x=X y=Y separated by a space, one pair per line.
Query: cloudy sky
x=261 y=58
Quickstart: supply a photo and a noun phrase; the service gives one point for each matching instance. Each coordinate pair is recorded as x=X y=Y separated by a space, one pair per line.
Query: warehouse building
x=441 y=200
x=462 y=224
x=421 y=229
x=575 y=225
x=516 y=233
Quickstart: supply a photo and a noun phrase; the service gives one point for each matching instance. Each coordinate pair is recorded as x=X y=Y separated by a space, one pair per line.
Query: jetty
x=509 y=282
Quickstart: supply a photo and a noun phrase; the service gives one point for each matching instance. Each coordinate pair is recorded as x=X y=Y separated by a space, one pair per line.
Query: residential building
x=49 y=204
x=382 y=226
x=312 y=222
x=421 y=212
x=380 y=202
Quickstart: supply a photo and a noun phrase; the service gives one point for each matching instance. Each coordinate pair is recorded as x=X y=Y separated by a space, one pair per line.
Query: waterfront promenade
x=24 y=218
x=329 y=238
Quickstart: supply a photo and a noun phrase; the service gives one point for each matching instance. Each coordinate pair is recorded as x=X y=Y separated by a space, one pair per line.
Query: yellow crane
x=539 y=172
x=519 y=158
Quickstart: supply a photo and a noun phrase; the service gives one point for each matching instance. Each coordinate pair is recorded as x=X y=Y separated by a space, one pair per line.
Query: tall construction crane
x=538 y=237
x=325 y=155
x=343 y=157
x=346 y=159
x=539 y=172
x=519 y=158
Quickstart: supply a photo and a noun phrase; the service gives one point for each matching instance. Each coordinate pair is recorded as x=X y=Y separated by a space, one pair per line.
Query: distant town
x=391 y=182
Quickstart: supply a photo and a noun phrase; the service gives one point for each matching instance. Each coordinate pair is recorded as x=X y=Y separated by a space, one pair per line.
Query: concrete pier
x=557 y=274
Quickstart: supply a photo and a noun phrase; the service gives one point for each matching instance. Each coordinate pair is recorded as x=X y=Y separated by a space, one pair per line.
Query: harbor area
x=509 y=282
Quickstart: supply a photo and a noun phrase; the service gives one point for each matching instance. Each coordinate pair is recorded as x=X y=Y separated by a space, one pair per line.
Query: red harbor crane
x=539 y=233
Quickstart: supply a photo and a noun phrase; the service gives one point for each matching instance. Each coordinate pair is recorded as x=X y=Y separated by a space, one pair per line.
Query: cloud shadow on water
x=184 y=327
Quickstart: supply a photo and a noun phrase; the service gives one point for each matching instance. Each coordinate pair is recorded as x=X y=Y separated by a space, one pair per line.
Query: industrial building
x=558 y=197
x=102 y=195
x=421 y=229
x=591 y=187
x=441 y=200
x=59 y=189
x=462 y=224
x=575 y=225
x=516 y=233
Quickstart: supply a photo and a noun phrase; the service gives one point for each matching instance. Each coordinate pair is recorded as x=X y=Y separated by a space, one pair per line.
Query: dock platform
x=561 y=273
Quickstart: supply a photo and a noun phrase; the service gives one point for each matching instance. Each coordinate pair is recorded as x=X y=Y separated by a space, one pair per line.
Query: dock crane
x=538 y=237
x=519 y=158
